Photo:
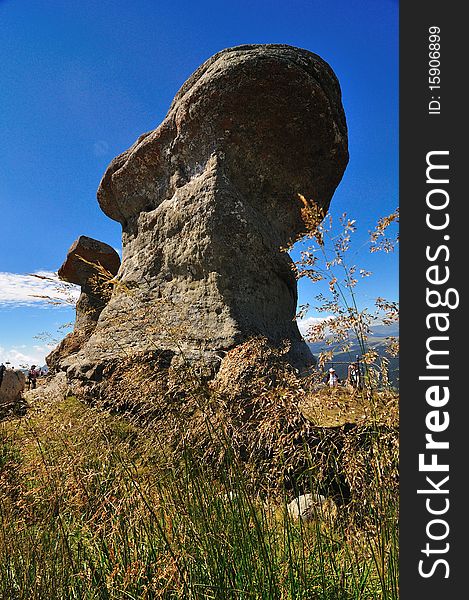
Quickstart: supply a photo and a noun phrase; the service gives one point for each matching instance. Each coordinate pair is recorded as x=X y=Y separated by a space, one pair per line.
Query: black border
x=421 y=132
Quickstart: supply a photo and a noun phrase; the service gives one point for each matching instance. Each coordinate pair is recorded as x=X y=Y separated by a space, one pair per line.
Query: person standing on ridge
x=332 y=379
x=2 y=371
x=32 y=377
x=354 y=375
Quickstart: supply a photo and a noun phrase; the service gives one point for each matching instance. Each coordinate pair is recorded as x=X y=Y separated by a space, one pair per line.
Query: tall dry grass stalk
x=95 y=505
x=324 y=258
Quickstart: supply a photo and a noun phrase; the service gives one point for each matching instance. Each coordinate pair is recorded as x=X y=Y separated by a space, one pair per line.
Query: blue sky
x=80 y=82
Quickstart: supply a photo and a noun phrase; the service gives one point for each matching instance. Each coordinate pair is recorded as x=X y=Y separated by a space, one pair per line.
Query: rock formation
x=88 y=264
x=11 y=388
x=207 y=200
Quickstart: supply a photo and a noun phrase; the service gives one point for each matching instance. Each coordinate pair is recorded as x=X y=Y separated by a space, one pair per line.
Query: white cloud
x=42 y=288
x=22 y=356
x=305 y=324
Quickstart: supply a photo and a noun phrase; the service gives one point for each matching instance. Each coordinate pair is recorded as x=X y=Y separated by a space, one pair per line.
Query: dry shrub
x=250 y=419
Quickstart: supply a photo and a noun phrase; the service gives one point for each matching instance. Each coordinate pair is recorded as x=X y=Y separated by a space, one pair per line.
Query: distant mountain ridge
x=376 y=341
x=43 y=369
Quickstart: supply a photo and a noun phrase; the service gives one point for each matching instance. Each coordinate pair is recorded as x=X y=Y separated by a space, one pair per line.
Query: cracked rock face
x=207 y=200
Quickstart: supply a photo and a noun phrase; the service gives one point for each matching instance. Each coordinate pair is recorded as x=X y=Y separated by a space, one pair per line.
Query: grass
x=184 y=494
x=98 y=506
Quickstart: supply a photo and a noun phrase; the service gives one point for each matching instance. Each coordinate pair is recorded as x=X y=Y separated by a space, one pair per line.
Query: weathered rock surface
x=89 y=262
x=207 y=200
x=51 y=391
x=12 y=387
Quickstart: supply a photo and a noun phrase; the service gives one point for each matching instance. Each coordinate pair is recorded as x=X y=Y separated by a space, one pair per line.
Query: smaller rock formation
x=11 y=388
x=89 y=264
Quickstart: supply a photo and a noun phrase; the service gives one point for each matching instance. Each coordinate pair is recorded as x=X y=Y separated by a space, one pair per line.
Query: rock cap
x=83 y=254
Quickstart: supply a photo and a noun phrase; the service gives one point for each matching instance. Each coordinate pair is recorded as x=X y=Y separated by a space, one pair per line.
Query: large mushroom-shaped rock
x=89 y=263
x=208 y=199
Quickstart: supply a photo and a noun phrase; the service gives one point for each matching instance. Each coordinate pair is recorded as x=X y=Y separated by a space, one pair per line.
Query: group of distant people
x=353 y=376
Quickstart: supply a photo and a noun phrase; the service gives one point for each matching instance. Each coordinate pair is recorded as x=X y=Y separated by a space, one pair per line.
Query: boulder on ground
x=312 y=507
x=12 y=387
